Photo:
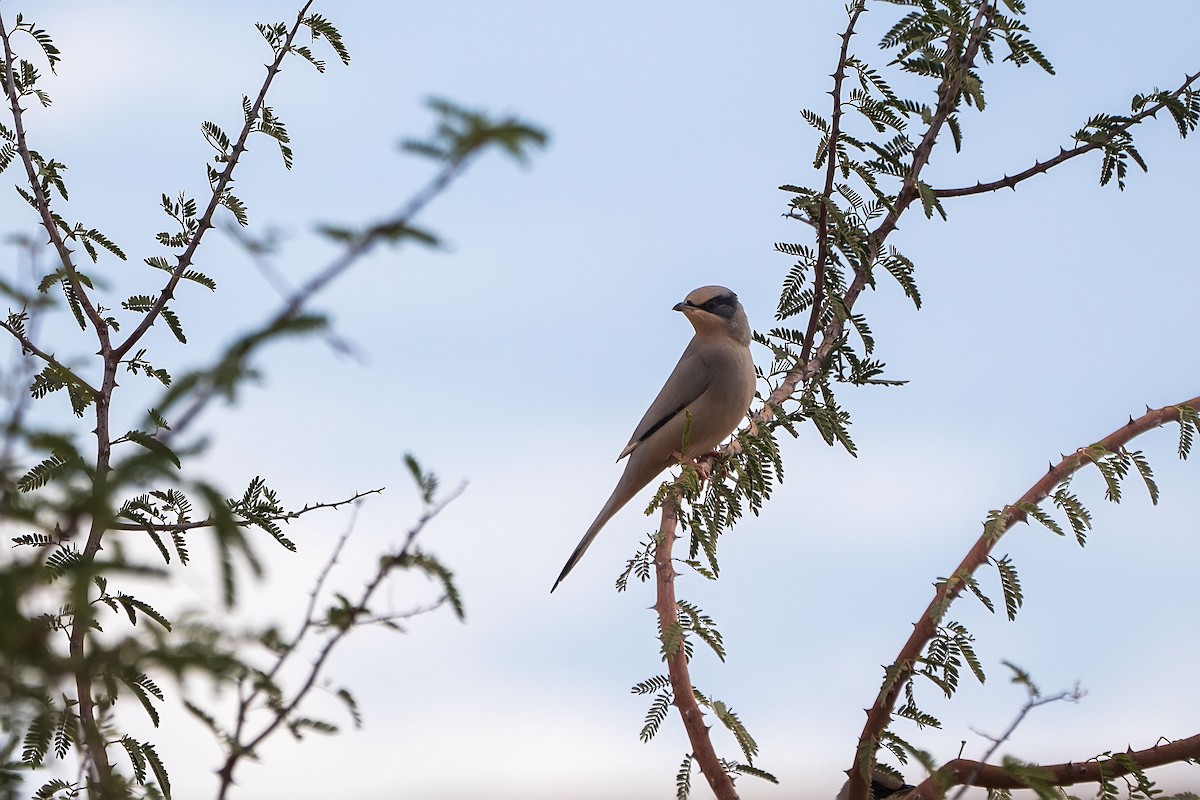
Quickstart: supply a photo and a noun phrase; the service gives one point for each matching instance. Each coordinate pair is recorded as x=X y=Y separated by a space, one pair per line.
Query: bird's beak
x=680 y=307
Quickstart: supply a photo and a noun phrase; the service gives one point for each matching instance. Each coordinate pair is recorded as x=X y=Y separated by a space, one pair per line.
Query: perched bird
x=882 y=785
x=713 y=383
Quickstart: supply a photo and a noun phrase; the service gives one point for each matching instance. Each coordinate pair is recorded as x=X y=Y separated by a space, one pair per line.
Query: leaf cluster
x=70 y=615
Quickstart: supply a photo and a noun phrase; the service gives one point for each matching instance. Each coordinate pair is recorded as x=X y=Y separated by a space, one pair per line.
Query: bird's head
x=715 y=310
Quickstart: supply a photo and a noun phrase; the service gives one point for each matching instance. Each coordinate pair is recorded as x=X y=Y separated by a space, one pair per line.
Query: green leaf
x=174 y=324
x=160 y=771
x=47 y=470
x=154 y=445
x=1010 y=584
x=1143 y=468
x=130 y=604
x=1036 y=512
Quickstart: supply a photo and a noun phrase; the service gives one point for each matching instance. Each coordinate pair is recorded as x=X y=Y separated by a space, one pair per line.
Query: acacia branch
x=28 y=346
x=676 y=657
x=880 y=714
x=949 y=92
x=964 y=772
x=42 y=201
x=1041 y=167
x=100 y=775
x=219 y=188
x=208 y=522
x=822 y=224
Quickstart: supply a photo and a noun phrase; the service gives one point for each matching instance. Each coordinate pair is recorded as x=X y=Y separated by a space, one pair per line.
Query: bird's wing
x=691 y=376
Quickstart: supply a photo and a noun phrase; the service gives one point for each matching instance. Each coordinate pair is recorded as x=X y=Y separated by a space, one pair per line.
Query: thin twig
x=222 y=183
x=822 y=223
x=208 y=522
x=1033 y=702
x=101 y=774
x=284 y=710
x=1041 y=167
x=358 y=248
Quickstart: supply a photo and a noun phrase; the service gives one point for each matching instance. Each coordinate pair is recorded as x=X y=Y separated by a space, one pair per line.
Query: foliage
x=98 y=528
x=871 y=151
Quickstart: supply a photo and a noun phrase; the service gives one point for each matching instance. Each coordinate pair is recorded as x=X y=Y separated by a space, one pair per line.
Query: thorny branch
x=209 y=522
x=811 y=363
x=835 y=131
x=806 y=370
x=879 y=715
x=964 y=772
x=101 y=778
x=1041 y=167
x=677 y=667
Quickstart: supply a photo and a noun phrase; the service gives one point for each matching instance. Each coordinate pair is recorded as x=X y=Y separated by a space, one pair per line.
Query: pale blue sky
x=520 y=358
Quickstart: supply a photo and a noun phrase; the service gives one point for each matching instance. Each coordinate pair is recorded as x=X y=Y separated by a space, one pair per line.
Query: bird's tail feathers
x=620 y=496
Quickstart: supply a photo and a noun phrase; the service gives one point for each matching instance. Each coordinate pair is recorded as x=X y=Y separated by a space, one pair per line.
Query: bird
x=712 y=385
x=882 y=785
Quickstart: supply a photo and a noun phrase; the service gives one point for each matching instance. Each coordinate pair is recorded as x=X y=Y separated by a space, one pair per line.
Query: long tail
x=635 y=477
x=582 y=547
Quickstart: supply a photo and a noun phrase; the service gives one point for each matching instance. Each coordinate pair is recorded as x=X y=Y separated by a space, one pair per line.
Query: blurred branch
x=241 y=744
x=1034 y=701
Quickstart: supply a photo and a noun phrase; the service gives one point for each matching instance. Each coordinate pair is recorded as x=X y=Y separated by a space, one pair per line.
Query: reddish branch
x=949 y=94
x=677 y=666
x=948 y=97
x=1040 y=167
x=961 y=772
x=879 y=715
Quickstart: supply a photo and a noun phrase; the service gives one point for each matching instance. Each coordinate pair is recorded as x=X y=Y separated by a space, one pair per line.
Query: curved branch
x=963 y=772
x=677 y=663
x=1041 y=167
x=880 y=714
